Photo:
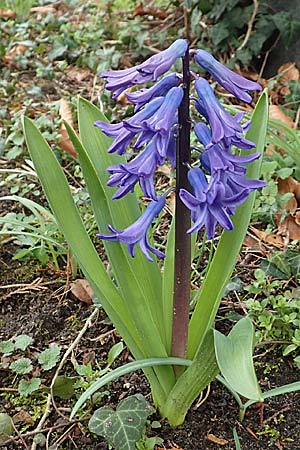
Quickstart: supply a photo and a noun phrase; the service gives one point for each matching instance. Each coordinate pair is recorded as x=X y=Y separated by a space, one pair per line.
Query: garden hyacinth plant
x=148 y=301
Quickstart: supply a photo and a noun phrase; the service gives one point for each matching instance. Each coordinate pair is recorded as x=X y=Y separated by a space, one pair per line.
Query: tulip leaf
x=234 y=357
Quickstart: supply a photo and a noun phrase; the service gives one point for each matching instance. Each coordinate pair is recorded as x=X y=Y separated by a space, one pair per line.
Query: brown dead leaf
x=141 y=10
x=77 y=74
x=290 y=227
x=24 y=417
x=17 y=50
x=289 y=185
x=82 y=290
x=43 y=9
x=277 y=114
x=288 y=72
x=211 y=437
x=271 y=239
x=7 y=13
x=66 y=114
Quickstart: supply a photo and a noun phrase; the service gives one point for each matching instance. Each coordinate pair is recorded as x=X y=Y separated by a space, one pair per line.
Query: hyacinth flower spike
x=231 y=81
x=140 y=169
x=125 y=131
x=208 y=203
x=143 y=96
x=149 y=70
x=225 y=128
x=137 y=233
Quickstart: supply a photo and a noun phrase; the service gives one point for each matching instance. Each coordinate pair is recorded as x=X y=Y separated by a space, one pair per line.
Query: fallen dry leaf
x=141 y=10
x=17 y=50
x=43 y=9
x=82 y=290
x=288 y=72
x=65 y=113
x=290 y=227
x=277 y=114
x=77 y=74
x=7 y=13
x=289 y=185
x=211 y=437
x=24 y=417
x=271 y=239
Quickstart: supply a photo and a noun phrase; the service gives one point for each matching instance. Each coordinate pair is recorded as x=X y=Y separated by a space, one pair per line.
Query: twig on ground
x=250 y=25
x=33 y=433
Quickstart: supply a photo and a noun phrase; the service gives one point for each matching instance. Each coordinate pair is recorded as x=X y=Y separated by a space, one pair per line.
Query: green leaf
x=23 y=341
x=7 y=347
x=26 y=387
x=123 y=370
x=114 y=352
x=64 y=387
x=49 y=357
x=236 y=440
x=139 y=278
x=286 y=389
x=6 y=427
x=69 y=221
x=123 y=427
x=234 y=357
x=230 y=243
x=21 y=366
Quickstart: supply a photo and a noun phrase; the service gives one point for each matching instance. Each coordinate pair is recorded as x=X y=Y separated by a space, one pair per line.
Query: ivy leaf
x=49 y=357
x=289 y=28
x=124 y=427
x=26 y=387
x=23 y=341
x=21 y=366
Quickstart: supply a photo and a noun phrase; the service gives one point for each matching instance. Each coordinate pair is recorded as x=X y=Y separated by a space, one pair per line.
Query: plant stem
x=182 y=264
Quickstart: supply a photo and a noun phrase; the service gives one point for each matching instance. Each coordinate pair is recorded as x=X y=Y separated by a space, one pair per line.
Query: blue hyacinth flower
x=149 y=70
x=125 y=131
x=231 y=81
x=208 y=204
x=140 y=169
x=226 y=129
x=137 y=233
x=143 y=96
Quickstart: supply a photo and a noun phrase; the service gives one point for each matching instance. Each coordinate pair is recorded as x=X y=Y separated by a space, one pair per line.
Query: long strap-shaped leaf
x=145 y=275
x=61 y=202
x=201 y=343
x=141 y=312
x=230 y=243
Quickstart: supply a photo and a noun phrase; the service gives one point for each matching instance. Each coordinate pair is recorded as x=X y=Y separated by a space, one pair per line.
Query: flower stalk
x=182 y=263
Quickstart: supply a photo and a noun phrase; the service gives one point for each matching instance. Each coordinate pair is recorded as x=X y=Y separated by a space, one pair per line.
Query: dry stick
x=250 y=25
x=43 y=430
x=87 y=325
x=182 y=264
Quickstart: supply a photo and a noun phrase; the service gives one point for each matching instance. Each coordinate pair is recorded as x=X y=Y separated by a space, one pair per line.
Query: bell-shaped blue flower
x=137 y=233
x=208 y=203
x=140 y=169
x=231 y=81
x=143 y=96
x=149 y=70
x=125 y=131
x=225 y=128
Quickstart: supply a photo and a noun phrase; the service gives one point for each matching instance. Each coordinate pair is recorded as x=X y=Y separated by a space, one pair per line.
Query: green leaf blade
x=234 y=357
